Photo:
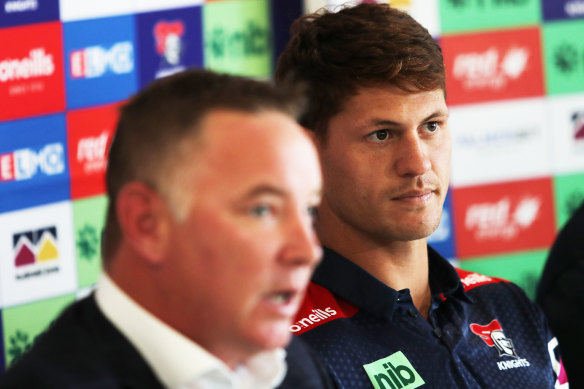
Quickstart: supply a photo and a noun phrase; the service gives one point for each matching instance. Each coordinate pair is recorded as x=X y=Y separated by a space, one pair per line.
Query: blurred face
x=386 y=164
x=246 y=250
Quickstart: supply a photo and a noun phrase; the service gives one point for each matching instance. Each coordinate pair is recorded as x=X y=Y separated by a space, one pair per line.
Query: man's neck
x=398 y=264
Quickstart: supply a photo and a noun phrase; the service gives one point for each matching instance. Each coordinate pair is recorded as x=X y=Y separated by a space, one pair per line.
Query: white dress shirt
x=178 y=362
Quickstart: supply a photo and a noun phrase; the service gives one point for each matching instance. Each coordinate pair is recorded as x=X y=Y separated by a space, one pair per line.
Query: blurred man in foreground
x=385 y=309
x=208 y=247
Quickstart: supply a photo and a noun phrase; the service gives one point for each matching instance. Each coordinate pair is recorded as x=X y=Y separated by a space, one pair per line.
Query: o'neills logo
x=37 y=64
x=316 y=316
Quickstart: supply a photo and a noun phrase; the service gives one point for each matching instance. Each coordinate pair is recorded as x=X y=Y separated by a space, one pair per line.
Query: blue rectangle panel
x=100 y=60
x=19 y=12
x=33 y=162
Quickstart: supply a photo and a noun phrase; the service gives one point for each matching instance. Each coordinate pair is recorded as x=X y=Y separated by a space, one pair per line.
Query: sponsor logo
x=251 y=41
x=19 y=343
x=91 y=153
x=474 y=279
x=36 y=252
x=14 y=6
x=87 y=242
x=566 y=58
x=578 y=122
x=393 y=372
x=491 y=68
x=574 y=8
x=95 y=61
x=37 y=64
x=499 y=221
x=169 y=45
x=312 y=318
x=492 y=334
x=24 y=164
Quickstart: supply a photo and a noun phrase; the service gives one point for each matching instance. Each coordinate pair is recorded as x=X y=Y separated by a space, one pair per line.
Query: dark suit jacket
x=82 y=349
x=561 y=295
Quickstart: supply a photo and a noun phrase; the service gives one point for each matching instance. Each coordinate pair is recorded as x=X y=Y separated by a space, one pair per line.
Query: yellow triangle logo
x=48 y=251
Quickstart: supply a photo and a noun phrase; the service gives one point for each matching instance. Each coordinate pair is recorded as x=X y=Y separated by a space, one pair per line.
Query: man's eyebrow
x=438 y=113
x=265 y=189
x=391 y=123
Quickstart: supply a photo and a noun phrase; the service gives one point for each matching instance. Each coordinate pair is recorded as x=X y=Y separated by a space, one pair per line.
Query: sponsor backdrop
x=515 y=80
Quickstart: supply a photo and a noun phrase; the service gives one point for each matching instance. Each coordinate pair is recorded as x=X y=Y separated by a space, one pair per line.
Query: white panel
x=499 y=142
x=40 y=279
x=566 y=124
x=156 y=5
x=91 y=9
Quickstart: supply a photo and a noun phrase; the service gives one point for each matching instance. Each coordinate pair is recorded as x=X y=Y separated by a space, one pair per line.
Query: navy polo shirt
x=482 y=332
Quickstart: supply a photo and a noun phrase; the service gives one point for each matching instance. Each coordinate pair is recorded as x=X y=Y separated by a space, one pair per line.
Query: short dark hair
x=369 y=45
x=156 y=120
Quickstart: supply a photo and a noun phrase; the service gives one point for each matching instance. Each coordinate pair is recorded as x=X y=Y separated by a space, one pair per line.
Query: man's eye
x=431 y=127
x=260 y=210
x=378 y=136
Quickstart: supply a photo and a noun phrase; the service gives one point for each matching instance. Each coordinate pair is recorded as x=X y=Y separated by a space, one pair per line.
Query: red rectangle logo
x=89 y=134
x=503 y=217
x=31 y=71
x=492 y=66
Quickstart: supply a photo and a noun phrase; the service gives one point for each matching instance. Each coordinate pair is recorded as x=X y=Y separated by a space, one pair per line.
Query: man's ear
x=145 y=221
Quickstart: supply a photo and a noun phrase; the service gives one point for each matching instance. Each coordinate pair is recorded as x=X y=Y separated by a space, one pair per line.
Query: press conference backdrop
x=515 y=83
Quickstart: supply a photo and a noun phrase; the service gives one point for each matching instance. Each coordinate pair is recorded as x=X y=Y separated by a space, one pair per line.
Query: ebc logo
x=101 y=64
x=36 y=252
x=504 y=217
x=170 y=41
x=90 y=132
x=493 y=66
x=31 y=71
x=96 y=61
x=24 y=164
x=393 y=372
x=33 y=162
x=21 y=12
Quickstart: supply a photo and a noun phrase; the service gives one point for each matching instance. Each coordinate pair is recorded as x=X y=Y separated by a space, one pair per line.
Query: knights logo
x=492 y=334
x=170 y=46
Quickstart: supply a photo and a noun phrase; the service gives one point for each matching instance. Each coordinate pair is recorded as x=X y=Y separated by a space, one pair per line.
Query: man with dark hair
x=384 y=309
x=208 y=247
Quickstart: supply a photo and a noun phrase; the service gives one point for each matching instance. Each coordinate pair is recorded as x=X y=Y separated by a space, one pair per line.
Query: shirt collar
x=354 y=284
x=176 y=360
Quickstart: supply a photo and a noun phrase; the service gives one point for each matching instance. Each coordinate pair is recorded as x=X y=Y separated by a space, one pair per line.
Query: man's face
x=386 y=164
x=246 y=250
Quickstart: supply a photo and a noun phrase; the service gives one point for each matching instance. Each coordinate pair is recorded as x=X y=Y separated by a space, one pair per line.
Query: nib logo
x=91 y=153
x=393 y=372
x=37 y=64
x=498 y=221
x=490 y=69
x=35 y=252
